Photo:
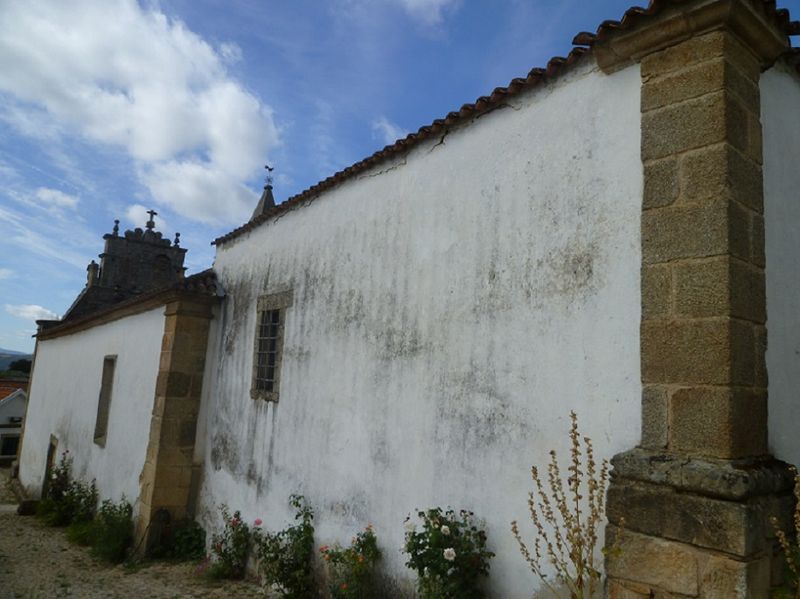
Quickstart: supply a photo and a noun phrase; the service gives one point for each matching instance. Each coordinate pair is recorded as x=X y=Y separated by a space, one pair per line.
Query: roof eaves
x=202 y=284
x=556 y=66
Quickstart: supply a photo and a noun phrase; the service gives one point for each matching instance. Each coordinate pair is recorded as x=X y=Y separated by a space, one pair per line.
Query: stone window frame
x=280 y=301
x=104 y=399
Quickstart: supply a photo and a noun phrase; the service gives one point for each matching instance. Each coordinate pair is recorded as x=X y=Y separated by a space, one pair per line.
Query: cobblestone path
x=37 y=562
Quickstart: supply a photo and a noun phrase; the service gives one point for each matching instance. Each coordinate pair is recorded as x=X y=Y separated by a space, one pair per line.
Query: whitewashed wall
x=780 y=116
x=450 y=309
x=63 y=402
x=12 y=406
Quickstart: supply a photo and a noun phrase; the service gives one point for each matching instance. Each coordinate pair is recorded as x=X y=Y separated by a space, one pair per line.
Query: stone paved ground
x=37 y=562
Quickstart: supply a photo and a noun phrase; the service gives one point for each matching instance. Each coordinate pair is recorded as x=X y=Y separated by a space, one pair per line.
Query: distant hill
x=12 y=352
x=9 y=355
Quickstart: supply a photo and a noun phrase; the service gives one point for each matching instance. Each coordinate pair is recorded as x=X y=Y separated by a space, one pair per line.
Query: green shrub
x=231 y=548
x=189 y=541
x=60 y=478
x=186 y=541
x=351 y=569
x=449 y=554
x=81 y=533
x=79 y=503
x=112 y=530
x=67 y=500
x=286 y=555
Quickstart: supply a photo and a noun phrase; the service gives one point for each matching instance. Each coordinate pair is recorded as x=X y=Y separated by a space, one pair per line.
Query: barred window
x=267 y=357
x=267 y=352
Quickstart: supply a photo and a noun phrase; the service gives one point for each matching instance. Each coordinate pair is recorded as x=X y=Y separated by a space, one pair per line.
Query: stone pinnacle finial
x=151 y=223
x=115 y=230
x=177 y=239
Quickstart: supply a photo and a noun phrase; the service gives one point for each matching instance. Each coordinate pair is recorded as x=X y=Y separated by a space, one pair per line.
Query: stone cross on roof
x=151 y=223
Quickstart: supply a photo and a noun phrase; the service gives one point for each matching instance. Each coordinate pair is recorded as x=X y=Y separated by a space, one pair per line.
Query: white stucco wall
x=63 y=402
x=780 y=116
x=12 y=406
x=450 y=309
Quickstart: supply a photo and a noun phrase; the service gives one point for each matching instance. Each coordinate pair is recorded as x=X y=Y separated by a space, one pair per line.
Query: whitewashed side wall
x=450 y=309
x=780 y=116
x=63 y=402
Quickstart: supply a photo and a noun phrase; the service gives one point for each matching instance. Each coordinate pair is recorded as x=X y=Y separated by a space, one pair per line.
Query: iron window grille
x=268 y=351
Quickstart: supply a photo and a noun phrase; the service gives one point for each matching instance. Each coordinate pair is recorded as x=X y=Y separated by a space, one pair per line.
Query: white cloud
x=30 y=312
x=45 y=237
x=388 y=131
x=427 y=12
x=137 y=216
x=230 y=52
x=56 y=198
x=6 y=273
x=116 y=73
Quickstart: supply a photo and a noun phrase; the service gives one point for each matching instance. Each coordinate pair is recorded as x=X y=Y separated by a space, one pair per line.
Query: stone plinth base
x=696 y=528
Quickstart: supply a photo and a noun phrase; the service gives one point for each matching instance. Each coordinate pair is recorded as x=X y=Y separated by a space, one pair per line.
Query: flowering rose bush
x=449 y=554
x=286 y=555
x=351 y=569
x=67 y=501
x=231 y=548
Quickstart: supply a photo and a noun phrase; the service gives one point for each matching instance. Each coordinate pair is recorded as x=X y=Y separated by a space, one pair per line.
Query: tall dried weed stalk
x=566 y=517
x=791 y=550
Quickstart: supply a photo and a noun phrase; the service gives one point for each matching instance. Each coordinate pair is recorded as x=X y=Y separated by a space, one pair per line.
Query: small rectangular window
x=104 y=402
x=267 y=357
x=9 y=445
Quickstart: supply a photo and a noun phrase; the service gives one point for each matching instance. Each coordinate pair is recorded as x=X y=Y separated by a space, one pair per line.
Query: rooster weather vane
x=268 y=179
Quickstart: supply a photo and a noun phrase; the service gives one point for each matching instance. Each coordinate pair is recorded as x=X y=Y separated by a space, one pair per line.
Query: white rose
x=410 y=526
x=445 y=529
x=450 y=554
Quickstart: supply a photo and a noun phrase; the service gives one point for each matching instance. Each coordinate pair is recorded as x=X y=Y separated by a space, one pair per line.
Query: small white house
x=12 y=412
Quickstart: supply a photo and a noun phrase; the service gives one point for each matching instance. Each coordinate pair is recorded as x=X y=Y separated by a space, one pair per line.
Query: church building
x=613 y=234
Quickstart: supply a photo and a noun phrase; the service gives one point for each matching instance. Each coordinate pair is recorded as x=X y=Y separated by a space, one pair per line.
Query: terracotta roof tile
x=8 y=386
x=555 y=67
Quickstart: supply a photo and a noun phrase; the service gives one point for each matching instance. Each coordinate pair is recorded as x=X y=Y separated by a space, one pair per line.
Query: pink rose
x=257 y=522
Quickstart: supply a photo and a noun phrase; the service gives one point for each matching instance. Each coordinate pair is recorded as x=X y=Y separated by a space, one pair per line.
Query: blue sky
x=111 y=107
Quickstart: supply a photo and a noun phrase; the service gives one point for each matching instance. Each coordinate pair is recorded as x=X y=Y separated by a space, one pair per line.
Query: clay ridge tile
x=632 y=17
x=583 y=43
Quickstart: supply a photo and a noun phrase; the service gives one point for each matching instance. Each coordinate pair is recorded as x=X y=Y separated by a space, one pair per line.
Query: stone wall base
x=696 y=528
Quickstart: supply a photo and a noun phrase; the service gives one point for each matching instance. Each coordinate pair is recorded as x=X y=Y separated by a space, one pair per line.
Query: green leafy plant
x=230 y=548
x=185 y=541
x=790 y=548
x=81 y=533
x=112 y=530
x=566 y=517
x=449 y=554
x=67 y=501
x=285 y=556
x=352 y=569
x=189 y=541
